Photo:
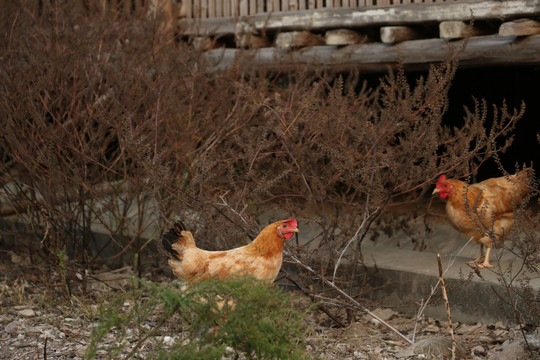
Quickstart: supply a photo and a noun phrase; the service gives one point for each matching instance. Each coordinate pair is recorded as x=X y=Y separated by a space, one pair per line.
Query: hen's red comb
x=291 y=222
x=442 y=178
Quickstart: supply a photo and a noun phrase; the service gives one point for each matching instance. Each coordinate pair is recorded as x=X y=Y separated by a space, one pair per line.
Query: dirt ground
x=35 y=323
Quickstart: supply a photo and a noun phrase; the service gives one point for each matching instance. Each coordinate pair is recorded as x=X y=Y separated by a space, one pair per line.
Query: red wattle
x=288 y=235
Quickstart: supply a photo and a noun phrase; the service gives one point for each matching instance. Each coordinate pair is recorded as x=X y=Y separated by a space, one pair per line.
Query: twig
x=306 y=292
x=447 y=306
x=355 y=236
x=344 y=294
x=45 y=348
x=226 y=204
x=423 y=304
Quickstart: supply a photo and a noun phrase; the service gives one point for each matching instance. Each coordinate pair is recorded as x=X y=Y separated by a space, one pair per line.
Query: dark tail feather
x=171 y=237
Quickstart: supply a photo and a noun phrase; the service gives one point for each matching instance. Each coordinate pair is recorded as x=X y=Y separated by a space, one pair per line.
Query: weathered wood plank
x=293 y=5
x=186 y=9
x=371 y=16
x=219 y=8
x=196 y=8
x=520 y=27
x=483 y=51
x=212 y=8
x=244 y=7
x=204 y=8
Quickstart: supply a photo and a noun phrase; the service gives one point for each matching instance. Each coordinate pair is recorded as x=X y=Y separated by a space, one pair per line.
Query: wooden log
x=298 y=39
x=251 y=41
x=491 y=50
x=344 y=37
x=370 y=16
x=520 y=27
x=397 y=34
x=459 y=30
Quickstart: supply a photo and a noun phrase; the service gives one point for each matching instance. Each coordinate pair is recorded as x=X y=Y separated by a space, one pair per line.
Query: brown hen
x=484 y=211
x=262 y=258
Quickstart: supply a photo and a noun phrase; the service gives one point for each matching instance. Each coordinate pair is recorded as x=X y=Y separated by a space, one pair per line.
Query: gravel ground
x=36 y=324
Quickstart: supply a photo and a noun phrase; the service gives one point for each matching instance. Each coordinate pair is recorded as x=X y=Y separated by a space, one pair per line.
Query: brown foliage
x=106 y=128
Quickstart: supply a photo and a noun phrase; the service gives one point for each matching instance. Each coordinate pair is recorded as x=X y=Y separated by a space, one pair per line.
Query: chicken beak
x=436 y=191
x=295 y=230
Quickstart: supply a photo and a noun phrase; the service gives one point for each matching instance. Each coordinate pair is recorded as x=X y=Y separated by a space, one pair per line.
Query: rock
x=344 y=37
x=432 y=328
x=534 y=339
x=167 y=340
x=485 y=339
x=251 y=41
x=478 y=350
x=296 y=39
x=439 y=347
x=81 y=351
x=509 y=351
x=404 y=354
x=359 y=355
x=459 y=30
x=27 y=313
x=397 y=34
x=520 y=27
x=469 y=329
x=12 y=327
x=384 y=314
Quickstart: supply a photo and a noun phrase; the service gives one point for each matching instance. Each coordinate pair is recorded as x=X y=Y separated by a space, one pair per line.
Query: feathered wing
x=501 y=195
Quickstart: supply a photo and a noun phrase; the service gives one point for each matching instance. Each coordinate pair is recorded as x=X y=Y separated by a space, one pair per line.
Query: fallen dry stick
x=447 y=305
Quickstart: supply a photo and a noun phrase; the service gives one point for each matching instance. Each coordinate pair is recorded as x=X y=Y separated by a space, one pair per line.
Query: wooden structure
x=366 y=34
x=233 y=8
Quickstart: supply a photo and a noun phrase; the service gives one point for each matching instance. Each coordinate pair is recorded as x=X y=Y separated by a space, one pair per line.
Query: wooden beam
x=482 y=51
x=326 y=18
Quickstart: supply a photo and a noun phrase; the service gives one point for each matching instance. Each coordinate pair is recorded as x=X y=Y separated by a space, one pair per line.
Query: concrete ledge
x=474 y=295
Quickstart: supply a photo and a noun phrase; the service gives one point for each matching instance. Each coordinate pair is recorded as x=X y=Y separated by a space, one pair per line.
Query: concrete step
x=474 y=295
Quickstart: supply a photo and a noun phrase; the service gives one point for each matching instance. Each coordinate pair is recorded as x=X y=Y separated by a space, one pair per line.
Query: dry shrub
x=107 y=127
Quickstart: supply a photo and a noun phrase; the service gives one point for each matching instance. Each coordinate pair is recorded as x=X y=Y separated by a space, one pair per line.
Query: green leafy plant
x=208 y=320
